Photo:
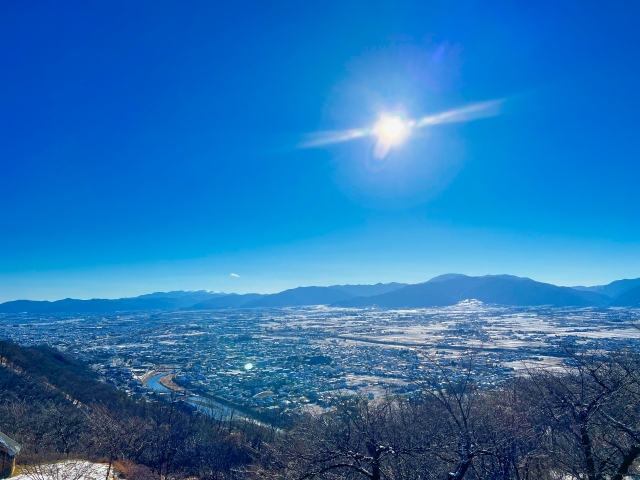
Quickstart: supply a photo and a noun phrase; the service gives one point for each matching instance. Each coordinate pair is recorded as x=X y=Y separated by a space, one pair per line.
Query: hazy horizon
x=137 y=290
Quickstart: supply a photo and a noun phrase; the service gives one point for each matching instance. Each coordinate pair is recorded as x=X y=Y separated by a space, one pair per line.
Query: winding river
x=207 y=406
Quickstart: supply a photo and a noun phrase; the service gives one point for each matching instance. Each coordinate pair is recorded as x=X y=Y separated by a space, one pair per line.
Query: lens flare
x=392 y=130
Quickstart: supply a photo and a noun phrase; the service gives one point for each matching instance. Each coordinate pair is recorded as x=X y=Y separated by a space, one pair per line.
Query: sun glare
x=392 y=129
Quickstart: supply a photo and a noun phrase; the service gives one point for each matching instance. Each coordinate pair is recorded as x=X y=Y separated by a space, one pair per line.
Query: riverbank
x=167 y=381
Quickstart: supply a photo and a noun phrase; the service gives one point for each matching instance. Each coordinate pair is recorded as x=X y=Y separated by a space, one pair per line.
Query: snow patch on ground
x=68 y=470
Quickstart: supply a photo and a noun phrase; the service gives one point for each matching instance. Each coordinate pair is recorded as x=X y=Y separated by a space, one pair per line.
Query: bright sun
x=391 y=129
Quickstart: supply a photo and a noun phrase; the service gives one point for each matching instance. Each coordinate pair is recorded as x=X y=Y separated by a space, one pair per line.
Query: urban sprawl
x=303 y=358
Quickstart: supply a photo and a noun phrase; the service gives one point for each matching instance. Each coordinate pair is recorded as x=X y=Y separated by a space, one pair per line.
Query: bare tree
x=364 y=439
x=68 y=425
x=170 y=431
x=483 y=433
x=118 y=436
x=590 y=411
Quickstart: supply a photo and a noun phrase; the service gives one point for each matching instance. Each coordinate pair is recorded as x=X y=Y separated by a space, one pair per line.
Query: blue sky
x=152 y=146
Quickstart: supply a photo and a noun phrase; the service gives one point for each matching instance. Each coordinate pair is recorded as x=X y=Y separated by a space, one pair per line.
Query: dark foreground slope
x=498 y=289
x=57 y=409
x=61 y=372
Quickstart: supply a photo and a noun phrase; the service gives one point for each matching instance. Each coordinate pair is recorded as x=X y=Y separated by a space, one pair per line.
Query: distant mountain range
x=153 y=301
x=613 y=289
x=499 y=289
x=443 y=290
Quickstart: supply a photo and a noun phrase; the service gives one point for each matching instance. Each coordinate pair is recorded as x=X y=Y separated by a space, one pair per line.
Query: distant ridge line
x=443 y=290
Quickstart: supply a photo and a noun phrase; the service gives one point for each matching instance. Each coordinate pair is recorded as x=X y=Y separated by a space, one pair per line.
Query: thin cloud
x=235 y=275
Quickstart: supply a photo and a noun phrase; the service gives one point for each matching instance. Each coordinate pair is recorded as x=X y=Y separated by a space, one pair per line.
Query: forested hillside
x=61 y=372
x=56 y=408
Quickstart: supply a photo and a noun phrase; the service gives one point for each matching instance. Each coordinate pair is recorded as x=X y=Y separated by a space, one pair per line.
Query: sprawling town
x=303 y=358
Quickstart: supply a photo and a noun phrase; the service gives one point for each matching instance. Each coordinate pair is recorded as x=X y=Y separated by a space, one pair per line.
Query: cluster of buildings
x=299 y=358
